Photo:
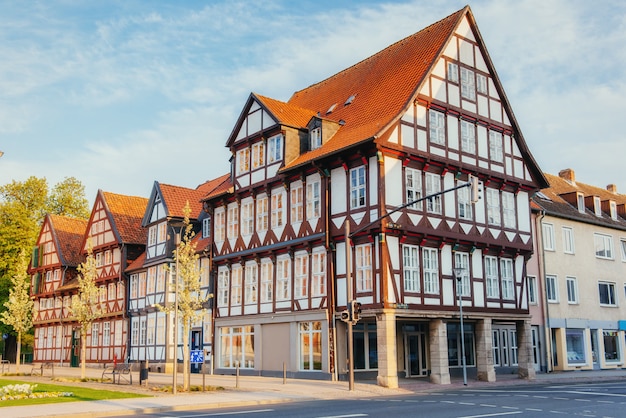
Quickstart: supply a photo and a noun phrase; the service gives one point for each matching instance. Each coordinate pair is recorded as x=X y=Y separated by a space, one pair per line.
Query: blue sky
x=122 y=93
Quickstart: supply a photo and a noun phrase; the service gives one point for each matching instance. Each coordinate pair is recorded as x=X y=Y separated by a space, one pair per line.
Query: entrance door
x=415 y=354
x=75 y=356
x=196 y=344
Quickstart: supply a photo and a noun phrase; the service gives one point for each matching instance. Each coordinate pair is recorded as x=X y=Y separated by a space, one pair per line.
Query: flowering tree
x=86 y=306
x=19 y=307
x=187 y=281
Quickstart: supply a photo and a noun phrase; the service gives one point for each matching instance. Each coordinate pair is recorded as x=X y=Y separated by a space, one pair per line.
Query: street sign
x=196 y=356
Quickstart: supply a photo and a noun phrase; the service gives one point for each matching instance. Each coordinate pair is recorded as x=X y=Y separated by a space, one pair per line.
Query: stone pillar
x=438 y=338
x=387 y=349
x=484 y=354
x=526 y=368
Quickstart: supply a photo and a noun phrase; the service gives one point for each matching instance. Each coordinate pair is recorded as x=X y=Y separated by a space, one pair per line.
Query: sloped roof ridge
x=454 y=15
x=581 y=186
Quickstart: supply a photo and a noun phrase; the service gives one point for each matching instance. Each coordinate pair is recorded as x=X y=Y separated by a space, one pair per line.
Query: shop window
x=575 y=339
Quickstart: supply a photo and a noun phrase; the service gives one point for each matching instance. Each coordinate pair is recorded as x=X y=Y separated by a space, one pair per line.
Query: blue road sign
x=196 y=356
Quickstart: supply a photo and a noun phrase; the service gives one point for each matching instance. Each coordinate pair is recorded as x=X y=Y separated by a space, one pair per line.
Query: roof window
x=331 y=108
x=350 y=100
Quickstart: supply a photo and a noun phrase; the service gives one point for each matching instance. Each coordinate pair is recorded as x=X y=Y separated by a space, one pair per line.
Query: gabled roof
x=126 y=213
x=175 y=198
x=551 y=201
x=221 y=185
x=287 y=114
x=68 y=234
x=384 y=85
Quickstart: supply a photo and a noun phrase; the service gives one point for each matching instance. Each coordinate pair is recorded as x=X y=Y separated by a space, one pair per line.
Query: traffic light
x=474 y=189
x=356 y=311
x=345 y=316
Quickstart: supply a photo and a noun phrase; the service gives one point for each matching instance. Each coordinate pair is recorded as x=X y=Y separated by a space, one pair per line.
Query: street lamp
x=458 y=275
x=175 y=357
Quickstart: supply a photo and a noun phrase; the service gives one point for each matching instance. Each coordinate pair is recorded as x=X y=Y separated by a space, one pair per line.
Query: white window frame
x=251 y=283
x=568 y=240
x=580 y=202
x=364 y=273
x=296 y=194
x=613 y=210
x=267 y=280
x=491 y=277
x=597 y=206
x=233 y=221
x=468 y=84
x=243 y=161
x=95 y=331
x=310 y=342
x=622 y=243
x=493 y=207
x=236 y=278
x=258 y=155
x=301 y=275
x=464 y=203
x=509 y=214
x=507 y=275
x=532 y=290
x=453 y=72
x=552 y=288
x=433 y=185
x=468 y=137
x=247 y=218
x=262 y=213
x=313 y=200
x=411 y=268
x=430 y=265
x=278 y=209
x=206 y=227
x=358 y=181
x=603 y=245
x=315 y=138
x=612 y=294
x=220 y=225
x=413 y=184
x=283 y=278
x=572 y=290
x=461 y=261
x=275 y=149
x=481 y=84
x=437 y=127
x=496 y=146
x=318 y=271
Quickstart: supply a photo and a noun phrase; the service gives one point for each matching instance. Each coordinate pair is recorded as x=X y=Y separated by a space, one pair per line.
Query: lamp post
x=458 y=275
x=175 y=359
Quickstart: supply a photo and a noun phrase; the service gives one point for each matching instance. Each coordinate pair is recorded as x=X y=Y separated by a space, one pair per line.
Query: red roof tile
x=69 y=233
x=220 y=185
x=286 y=113
x=127 y=213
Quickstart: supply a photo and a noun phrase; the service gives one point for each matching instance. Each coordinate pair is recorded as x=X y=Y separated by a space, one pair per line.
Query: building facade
x=311 y=221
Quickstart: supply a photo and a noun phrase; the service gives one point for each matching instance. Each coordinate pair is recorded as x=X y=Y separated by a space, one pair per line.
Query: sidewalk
x=253 y=390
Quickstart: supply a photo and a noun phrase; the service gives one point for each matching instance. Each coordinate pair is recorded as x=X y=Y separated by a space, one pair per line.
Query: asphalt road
x=602 y=400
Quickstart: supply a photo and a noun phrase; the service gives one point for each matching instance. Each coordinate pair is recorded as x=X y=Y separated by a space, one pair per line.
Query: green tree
x=19 y=308
x=86 y=306
x=191 y=303
x=23 y=205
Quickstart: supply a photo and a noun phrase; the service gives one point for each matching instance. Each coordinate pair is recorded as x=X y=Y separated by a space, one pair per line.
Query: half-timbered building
x=412 y=121
x=55 y=258
x=151 y=287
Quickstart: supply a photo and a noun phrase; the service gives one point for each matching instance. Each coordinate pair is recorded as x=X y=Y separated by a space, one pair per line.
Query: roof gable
x=254 y=118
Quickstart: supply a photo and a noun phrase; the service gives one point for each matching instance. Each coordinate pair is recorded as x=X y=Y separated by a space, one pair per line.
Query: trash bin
x=143 y=372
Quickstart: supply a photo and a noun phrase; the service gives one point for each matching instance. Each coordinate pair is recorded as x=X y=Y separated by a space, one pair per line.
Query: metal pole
x=175 y=371
x=349 y=299
x=458 y=279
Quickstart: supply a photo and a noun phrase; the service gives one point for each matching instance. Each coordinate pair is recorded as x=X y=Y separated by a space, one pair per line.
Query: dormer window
x=613 y=210
x=580 y=199
x=315 y=137
x=597 y=208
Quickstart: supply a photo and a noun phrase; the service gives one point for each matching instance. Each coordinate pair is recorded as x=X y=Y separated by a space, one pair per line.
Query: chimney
x=568 y=174
x=612 y=188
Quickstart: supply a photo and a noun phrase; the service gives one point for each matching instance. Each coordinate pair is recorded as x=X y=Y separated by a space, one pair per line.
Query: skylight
x=331 y=108
x=350 y=100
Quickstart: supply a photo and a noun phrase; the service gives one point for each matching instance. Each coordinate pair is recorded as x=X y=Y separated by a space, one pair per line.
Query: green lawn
x=81 y=393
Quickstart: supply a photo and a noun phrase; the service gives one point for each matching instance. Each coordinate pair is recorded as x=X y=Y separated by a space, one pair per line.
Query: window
x=133 y=286
x=318 y=269
x=365 y=348
x=495 y=146
x=413 y=184
x=258 y=155
x=603 y=246
x=463 y=200
x=152 y=235
x=151 y=280
x=508 y=210
x=95 y=329
x=468 y=87
x=160 y=284
x=261 y=214
x=572 y=290
x=454 y=345
x=363 y=260
x=313 y=200
x=220 y=227
x=611 y=346
x=613 y=210
x=575 y=342
x=597 y=206
x=430 y=264
x=548 y=237
x=316 y=138
x=453 y=72
x=99 y=260
x=206 y=227
x=508 y=278
x=235 y=291
x=149 y=333
x=468 y=137
x=142 y=331
x=310 y=346
x=283 y=278
x=357 y=187
x=411 y=267
x=247 y=218
x=222 y=287
x=568 y=240
x=134 y=332
x=233 y=221
x=552 y=289
x=622 y=244
x=301 y=274
x=493 y=207
x=297 y=209
x=437 y=127
x=236 y=347
x=481 y=83
x=433 y=185
x=532 y=290
x=607 y=293
x=275 y=149
x=108 y=254
x=580 y=200
x=243 y=161
x=491 y=274
x=461 y=261
x=251 y=285
x=277 y=209
x=267 y=280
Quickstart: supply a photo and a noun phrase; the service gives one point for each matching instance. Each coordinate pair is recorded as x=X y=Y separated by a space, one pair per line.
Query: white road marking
x=345 y=416
x=219 y=414
x=497 y=414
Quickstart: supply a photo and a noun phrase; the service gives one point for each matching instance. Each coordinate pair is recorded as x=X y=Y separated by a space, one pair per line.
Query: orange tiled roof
x=137 y=264
x=220 y=185
x=383 y=85
x=176 y=197
x=127 y=213
x=69 y=234
x=286 y=113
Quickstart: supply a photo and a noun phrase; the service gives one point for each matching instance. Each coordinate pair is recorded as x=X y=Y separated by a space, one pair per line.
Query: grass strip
x=81 y=393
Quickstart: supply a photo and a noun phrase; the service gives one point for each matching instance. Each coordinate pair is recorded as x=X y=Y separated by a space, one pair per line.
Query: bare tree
x=190 y=301
x=19 y=307
x=86 y=306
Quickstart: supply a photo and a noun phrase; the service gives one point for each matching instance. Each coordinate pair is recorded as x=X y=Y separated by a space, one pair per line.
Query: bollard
x=237 y=375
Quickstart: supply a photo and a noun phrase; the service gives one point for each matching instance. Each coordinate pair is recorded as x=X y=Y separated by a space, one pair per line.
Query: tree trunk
x=83 y=353
x=186 y=356
x=19 y=349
